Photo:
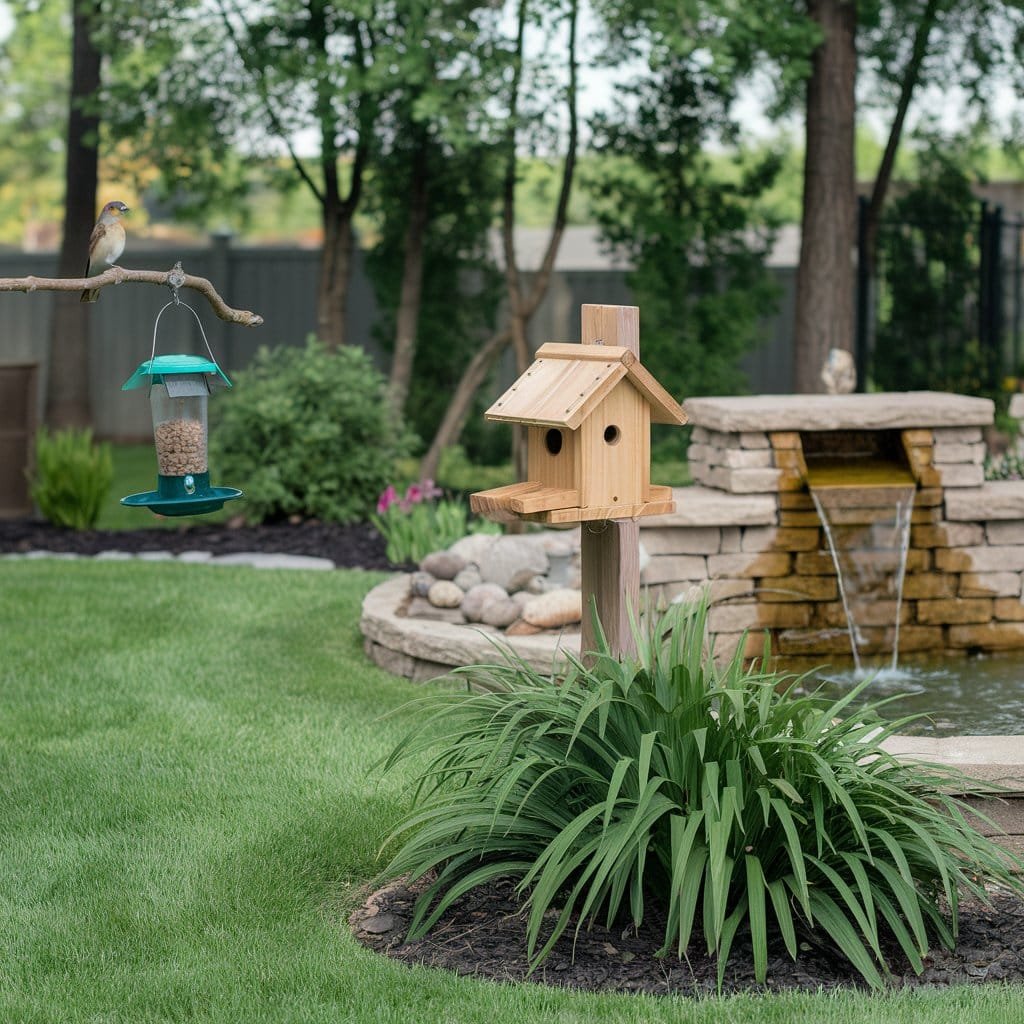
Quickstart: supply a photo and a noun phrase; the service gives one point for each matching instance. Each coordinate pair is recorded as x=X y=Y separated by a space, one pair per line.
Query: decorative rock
x=467 y=578
x=420 y=583
x=560 y=542
x=478 y=598
x=561 y=565
x=555 y=608
x=507 y=555
x=522 y=628
x=526 y=579
x=472 y=547
x=421 y=608
x=444 y=565
x=501 y=613
x=444 y=594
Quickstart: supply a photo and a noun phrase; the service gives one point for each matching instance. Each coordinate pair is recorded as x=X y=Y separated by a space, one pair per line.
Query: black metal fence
x=940 y=307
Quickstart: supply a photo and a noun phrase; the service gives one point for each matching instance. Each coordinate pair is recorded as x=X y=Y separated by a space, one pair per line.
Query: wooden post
x=610 y=549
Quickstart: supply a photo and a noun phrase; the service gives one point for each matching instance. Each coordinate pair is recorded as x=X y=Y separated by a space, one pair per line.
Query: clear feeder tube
x=179 y=432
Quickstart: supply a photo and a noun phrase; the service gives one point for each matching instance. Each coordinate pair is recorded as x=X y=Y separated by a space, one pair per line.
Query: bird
x=106 y=243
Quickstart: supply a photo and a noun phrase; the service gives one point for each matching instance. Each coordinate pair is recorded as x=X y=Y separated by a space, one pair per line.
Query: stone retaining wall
x=750 y=532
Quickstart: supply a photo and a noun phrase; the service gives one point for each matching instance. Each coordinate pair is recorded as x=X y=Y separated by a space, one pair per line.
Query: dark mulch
x=484 y=935
x=350 y=547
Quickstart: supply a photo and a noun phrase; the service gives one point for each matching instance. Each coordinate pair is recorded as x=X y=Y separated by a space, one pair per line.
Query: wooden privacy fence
x=280 y=283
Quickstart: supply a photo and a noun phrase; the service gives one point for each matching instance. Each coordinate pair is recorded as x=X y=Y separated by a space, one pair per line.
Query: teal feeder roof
x=153 y=371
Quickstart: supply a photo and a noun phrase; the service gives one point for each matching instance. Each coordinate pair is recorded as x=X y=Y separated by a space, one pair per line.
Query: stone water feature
x=749 y=532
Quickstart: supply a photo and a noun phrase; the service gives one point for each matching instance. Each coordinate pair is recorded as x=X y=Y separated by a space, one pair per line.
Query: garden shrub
x=308 y=432
x=705 y=789
x=72 y=477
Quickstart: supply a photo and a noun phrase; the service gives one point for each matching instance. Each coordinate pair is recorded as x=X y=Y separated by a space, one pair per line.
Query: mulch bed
x=484 y=935
x=359 y=546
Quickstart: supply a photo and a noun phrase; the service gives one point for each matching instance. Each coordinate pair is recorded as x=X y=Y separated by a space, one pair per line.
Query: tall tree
x=313 y=81
x=696 y=243
x=67 y=393
x=521 y=297
x=824 y=316
x=207 y=87
x=958 y=45
x=434 y=129
x=458 y=281
x=35 y=68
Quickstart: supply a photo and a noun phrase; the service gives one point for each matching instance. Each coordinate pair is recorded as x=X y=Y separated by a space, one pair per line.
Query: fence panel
x=280 y=284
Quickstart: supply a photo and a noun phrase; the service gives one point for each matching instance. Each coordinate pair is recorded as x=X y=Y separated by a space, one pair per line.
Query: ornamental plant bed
x=484 y=935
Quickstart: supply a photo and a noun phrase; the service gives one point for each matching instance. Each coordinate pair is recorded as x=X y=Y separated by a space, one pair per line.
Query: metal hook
x=176 y=301
x=175 y=279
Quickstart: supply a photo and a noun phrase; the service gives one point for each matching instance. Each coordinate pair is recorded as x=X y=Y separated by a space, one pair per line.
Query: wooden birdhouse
x=587 y=410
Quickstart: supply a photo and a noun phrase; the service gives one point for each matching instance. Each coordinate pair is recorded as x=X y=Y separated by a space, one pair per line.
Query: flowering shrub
x=419 y=523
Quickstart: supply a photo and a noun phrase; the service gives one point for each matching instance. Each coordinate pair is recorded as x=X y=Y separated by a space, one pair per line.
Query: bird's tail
x=90 y=295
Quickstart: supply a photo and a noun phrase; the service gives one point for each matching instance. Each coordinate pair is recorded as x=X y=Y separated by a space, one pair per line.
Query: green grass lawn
x=187 y=816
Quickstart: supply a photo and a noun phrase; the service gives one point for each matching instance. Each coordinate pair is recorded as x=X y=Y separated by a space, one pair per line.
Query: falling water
x=866 y=543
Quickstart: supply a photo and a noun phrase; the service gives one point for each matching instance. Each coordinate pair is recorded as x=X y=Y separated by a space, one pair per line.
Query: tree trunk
x=335 y=271
x=884 y=174
x=825 y=281
x=520 y=308
x=67 y=393
x=410 y=295
x=454 y=420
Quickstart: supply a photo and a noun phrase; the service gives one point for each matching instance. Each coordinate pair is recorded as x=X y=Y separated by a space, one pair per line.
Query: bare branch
x=118 y=275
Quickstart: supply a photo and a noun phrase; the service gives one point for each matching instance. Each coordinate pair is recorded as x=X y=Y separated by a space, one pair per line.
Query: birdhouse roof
x=566 y=383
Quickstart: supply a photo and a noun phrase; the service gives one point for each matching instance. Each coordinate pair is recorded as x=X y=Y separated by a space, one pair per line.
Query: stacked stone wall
x=749 y=532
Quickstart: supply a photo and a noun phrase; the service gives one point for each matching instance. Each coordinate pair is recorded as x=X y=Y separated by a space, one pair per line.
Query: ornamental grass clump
x=716 y=793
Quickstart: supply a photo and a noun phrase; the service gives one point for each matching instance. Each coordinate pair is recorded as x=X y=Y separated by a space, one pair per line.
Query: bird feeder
x=179 y=389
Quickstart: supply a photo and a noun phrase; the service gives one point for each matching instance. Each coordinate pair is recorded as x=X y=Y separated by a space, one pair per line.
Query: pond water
x=973 y=697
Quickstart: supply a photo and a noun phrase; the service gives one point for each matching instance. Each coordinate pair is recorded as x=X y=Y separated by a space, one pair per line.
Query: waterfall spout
x=867 y=530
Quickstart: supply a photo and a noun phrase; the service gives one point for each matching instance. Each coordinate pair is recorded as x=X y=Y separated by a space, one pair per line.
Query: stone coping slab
x=705 y=506
x=998 y=759
x=447 y=644
x=996 y=499
x=884 y=410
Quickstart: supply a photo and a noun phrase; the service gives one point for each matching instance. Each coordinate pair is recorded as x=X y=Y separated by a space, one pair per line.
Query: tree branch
x=118 y=275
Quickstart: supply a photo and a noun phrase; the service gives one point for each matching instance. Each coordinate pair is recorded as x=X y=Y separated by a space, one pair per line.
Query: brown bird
x=106 y=243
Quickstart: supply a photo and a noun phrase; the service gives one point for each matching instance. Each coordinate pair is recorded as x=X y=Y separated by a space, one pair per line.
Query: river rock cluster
x=520 y=583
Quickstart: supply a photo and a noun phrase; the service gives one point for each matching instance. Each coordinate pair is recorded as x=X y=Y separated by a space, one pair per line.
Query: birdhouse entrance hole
x=553 y=441
x=612 y=434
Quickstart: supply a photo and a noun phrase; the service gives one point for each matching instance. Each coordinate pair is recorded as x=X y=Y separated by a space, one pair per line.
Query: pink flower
x=386 y=500
x=413 y=495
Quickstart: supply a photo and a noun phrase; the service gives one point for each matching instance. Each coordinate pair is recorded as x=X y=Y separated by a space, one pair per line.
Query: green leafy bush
x=309 y=432
x=72 y=477
x=663 y=778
